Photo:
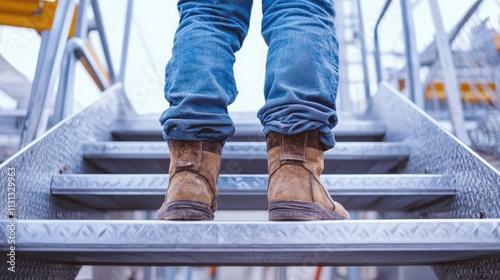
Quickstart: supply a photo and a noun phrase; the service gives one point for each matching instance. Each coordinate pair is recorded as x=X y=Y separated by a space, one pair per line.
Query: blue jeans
x=301 y=72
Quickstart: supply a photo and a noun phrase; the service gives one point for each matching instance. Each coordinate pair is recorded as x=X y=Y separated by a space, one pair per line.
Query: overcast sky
x=153 y=27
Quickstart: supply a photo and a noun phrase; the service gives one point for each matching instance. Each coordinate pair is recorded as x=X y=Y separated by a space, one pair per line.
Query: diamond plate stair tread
x=243 y=158
x=357 y=242
x=11 y=121
x=240 y=192
x=146 y=129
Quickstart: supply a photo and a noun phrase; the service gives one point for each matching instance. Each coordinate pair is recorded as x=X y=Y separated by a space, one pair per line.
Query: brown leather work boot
x=193 y=173
x=295 y=192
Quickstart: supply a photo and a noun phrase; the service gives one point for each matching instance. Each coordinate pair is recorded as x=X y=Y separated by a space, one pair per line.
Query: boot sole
x=185 y=210
x=300 y=211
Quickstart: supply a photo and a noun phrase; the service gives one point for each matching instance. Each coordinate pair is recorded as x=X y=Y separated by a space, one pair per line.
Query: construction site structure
x=82 y=194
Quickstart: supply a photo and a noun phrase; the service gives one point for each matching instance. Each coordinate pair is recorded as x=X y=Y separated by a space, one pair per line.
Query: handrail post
x=364 y=61
x=104 y=40
x=44 y=80
x=377 y=55
x=126 y=38
x=65 y=91
x=413 y=84
x=449 y=73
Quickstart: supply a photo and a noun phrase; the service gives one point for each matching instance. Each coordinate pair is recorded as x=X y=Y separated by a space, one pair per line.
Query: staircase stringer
x=436 y=151
x=57 y=152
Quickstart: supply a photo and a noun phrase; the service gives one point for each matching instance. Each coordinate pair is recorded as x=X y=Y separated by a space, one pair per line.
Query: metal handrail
x=126 y=39
x=450 y=77
x=47 y=66
x=77 y=51
x=104 y=40
x=452 y=36
x=454 y=32
x=378 y=63
x=74 y=50
x=366 y=81
x=412 y=57
x=413 y=85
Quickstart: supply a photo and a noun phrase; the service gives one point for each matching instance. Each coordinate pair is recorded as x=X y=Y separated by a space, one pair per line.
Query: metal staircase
x=437 y=202
x=440 y=192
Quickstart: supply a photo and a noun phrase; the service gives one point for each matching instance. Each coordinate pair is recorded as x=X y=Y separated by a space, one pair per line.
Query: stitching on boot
x=326 y=193
x=213 y=189
x=292 y=162
x=185 y=169
x=311 y=187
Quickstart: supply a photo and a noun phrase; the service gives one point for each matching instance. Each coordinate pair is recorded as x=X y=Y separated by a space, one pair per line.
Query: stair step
x=249 y=192
x=243 y=158
x=145 y=129
x=357 y=242
x=11 y=121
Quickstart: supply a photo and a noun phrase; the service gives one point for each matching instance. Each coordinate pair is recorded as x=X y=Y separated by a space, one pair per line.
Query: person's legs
x=302 y=67
x=199 y=77
x=199 y=87
x=299 y=113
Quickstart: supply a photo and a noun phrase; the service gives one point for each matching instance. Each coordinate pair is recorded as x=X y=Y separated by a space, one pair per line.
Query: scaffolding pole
x=450 y=76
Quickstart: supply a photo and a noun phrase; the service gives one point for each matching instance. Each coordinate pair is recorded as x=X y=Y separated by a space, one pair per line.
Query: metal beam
x=65 y=92
x=104 y=40
x=364 y=59
x=75 y=50
x=126 y=39
x=429 y=55
x=50 y=64
x=377 y=54
x=413 y=83
x=450 y=76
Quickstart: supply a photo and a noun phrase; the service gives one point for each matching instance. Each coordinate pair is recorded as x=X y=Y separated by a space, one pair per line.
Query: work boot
x=193 y=173
x=295 y=192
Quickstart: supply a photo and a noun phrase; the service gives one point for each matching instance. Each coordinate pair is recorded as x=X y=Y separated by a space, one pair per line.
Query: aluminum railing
x=439 y=51
x=58 y=56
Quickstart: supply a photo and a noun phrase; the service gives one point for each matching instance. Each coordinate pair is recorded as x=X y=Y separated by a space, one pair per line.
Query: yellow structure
x=39 y=15
x=34 y=14
x=470 y=92
x=497 y=41
x=474 y=92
